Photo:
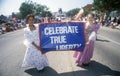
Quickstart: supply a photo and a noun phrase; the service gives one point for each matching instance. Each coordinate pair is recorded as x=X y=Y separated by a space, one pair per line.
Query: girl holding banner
x=83 y=58
x=33 y=56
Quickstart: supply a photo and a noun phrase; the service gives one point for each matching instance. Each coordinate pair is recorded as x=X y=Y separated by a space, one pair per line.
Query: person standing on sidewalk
x=33 y=56
x=83 y=58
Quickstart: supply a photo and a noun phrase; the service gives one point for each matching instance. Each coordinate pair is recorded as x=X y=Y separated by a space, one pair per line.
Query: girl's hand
x=38 y=47
x=81 y=11
x=87 y=43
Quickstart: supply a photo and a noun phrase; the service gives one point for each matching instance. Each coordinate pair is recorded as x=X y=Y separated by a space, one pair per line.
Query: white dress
x=33 y=56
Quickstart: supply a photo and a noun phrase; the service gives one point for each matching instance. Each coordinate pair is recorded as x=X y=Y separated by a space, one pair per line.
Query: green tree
x=106 y=6
x=42 y=10
x=72 y=12
x=16 y=15
x=13 y=15
x=30 y=7
x=2 y=19
x=26 y=8
x=46 y=13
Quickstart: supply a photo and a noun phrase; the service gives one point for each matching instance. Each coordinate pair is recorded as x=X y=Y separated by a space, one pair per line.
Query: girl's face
x=90 y=18
x=31 y=21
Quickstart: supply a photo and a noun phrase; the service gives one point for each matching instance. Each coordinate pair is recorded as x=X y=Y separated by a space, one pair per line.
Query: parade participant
x=33 y=56
x=83 y=58
x=47 y=19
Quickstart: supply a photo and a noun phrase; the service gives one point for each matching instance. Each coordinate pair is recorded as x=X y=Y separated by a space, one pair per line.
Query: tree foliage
x=30 y=7
x=106 y=6
x=26 y=8
x=72 y=12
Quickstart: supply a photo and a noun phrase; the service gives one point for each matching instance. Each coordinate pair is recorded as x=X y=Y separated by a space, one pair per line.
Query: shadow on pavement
x=48 y=71
x=94 y=69
x=102 y=40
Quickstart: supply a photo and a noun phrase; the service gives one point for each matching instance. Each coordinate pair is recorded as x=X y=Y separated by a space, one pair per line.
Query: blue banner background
x=71 y=38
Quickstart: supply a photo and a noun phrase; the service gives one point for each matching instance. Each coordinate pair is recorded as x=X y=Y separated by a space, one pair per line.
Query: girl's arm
x=79 y=14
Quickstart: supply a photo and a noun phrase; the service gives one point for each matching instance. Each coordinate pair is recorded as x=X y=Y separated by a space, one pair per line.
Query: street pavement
x=105 y=61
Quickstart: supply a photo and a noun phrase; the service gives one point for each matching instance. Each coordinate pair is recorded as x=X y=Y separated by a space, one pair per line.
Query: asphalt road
x=105 y=62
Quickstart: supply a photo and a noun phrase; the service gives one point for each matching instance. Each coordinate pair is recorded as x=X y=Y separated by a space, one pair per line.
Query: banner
x=62 y=36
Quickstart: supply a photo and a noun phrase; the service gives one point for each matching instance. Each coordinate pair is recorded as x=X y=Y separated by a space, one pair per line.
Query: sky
x=9 y=6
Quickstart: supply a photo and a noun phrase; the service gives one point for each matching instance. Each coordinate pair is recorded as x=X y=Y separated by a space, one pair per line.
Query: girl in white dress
x=33 y=56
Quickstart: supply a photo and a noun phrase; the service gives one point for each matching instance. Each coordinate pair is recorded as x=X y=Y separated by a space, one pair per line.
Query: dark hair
x=28 y=16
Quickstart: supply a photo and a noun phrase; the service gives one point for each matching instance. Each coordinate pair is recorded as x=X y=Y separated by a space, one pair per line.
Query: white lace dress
x=33 y=57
